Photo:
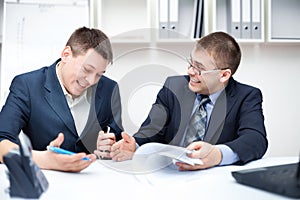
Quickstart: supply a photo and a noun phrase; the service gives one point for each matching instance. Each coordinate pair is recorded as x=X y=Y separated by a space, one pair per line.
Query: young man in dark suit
x=230 y=129
x=65 y=104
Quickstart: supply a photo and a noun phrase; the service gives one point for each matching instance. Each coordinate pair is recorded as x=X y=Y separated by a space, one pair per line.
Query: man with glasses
x=64 y=105
x=229 y=128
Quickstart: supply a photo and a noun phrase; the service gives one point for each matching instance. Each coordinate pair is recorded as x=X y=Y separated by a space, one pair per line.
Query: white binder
x=246 y=19
x=163 y=18
x=256 y=19
x=236 y=18
x=173 y=19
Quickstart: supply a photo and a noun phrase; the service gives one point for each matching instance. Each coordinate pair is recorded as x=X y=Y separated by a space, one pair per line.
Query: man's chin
x=193 y=88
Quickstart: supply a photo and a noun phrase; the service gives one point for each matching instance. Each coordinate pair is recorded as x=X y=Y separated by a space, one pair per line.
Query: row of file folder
x=173 y=25
x=245 y=19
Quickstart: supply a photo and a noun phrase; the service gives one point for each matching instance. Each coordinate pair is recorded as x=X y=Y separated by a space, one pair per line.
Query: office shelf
x=138 y=21
x=283 y=21
x=180 y=20
x=124 y=21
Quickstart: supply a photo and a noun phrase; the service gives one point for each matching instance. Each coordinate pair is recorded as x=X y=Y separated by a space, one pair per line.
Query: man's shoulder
x=107 y=80
x=179 y=79
x=244 y=86
x=177 y=85
x=39 y=72
x=32 y=76
x=241 y=88
x=106 y=84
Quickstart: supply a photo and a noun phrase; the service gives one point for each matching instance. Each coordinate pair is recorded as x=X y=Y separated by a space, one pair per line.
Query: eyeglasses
x=197 y=69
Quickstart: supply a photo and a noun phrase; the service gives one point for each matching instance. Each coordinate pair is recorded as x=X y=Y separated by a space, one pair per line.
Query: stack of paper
x=175 y=153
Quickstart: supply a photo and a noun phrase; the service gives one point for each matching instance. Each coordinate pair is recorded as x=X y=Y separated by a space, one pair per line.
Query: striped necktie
x=196 y=128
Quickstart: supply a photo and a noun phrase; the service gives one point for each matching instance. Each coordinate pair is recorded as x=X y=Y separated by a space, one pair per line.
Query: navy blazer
x=36 y=104
x=237 y=119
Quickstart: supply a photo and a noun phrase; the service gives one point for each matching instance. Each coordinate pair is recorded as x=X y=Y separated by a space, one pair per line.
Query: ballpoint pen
x=63 y=151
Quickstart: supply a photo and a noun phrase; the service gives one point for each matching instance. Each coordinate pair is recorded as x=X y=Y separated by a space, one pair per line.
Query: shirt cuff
x=228 y=156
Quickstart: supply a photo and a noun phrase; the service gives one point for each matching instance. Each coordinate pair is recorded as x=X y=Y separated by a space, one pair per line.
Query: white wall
x=274 y=68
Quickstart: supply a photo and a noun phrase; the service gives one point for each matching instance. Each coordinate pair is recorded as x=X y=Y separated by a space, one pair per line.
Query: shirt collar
x=213 y=97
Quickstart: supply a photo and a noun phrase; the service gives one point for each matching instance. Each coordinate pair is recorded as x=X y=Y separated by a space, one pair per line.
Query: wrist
x=218 y=156
x=40 y=158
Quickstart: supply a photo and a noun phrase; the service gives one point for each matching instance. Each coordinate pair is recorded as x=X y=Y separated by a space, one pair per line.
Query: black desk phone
x=25 y=177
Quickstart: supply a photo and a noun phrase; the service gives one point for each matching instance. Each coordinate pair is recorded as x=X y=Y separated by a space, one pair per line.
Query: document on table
x=152 y=157
x=176 y=153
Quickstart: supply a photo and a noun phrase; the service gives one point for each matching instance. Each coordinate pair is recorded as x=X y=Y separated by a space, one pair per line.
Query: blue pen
x=63 y=151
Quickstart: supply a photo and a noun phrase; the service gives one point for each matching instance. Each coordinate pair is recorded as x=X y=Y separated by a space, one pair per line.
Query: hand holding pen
x=63 y=151
x=104 y=143
x=54 y=159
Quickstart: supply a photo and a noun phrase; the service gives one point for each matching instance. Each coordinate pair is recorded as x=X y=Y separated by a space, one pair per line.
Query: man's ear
x=226 y=74
x=66 y=53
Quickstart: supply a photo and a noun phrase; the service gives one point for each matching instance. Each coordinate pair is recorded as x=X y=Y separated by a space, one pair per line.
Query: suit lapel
x=98 y=99
x=90 y=132
x=92 y=118
x=56 y=99
x=186 y=106
x=221 y=109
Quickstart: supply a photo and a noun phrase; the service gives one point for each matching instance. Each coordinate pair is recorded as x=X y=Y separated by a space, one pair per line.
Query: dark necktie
x=196 y=128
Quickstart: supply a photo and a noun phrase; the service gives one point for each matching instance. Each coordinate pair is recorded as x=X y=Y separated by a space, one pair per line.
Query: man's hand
x=104 y=144
x=123 y=149
x=209 y=154
x=61 y=162
x=5 y=147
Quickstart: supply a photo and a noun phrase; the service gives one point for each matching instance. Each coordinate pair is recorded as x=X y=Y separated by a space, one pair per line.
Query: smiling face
x=78 y=73
x=211 y=78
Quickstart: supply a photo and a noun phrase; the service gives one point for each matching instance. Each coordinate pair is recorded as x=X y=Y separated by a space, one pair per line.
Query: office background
x=145 y=56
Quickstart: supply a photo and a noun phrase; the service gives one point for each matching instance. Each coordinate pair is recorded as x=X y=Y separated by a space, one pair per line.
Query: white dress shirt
x=79 y=106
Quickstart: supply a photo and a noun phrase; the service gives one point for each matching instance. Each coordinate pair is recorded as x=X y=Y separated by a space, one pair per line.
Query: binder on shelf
x=173 y=18
x=236 y=25
x=163 y=18
x=256 y=19
x=246 y=19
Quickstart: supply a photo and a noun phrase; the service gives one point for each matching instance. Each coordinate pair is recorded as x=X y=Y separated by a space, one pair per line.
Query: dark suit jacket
x=236 y=120
x=36 y=104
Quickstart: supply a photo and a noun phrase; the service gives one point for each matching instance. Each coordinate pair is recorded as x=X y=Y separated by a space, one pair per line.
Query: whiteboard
x=35 y=33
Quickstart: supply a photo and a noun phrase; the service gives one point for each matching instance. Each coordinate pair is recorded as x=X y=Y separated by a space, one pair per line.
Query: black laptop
x=280 y=179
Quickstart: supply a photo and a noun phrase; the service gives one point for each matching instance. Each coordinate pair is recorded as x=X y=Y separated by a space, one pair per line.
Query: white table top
x=102 y=180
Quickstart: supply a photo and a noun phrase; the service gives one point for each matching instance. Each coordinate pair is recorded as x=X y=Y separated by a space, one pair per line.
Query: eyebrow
x=200 y=65
x=90 y=66
x=195 y=60
x=95 y=69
